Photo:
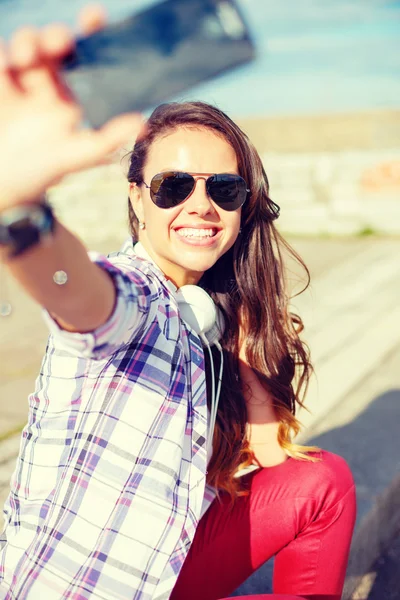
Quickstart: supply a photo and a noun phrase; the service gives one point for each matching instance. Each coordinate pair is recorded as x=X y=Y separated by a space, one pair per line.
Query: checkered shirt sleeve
x=109 y=483
x=135 y=304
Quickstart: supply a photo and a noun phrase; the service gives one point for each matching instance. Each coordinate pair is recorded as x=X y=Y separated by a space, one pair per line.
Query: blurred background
x=322 y=104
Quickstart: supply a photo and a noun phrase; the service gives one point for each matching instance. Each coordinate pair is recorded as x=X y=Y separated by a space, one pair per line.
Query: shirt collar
x=137 y=249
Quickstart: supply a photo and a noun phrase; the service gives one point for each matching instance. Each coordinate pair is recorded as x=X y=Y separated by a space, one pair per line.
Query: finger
x=119 y=130
x=92 y=18
x=93 y=147
x=35 y=56
x=24 y=48
x=114 y=134
x=55 y=41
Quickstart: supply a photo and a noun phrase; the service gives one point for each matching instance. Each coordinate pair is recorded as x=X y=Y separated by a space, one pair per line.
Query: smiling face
x=188 y=239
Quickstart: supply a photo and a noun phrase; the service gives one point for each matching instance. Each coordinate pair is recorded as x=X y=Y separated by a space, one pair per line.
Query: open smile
x=198 y=236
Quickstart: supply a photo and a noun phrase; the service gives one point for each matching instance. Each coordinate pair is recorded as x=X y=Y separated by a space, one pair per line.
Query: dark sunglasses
x=173 y=187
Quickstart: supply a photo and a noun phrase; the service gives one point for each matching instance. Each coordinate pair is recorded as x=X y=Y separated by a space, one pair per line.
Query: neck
x=178 y=276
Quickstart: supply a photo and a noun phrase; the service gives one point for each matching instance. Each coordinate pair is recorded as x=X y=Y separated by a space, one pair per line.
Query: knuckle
x=57 y=30
x=25 y=33
x=23 y=46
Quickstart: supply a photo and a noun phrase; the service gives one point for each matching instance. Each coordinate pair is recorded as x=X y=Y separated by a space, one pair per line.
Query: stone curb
x=373 y=536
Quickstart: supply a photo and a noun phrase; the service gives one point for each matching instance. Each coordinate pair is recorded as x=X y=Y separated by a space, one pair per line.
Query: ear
x=136 y=200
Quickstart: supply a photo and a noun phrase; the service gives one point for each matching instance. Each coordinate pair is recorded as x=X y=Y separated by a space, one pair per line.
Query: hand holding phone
x=127 y=66
x=40 y=121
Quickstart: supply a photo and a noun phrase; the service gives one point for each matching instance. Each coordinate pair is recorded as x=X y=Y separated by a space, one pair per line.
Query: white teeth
x=200 y=233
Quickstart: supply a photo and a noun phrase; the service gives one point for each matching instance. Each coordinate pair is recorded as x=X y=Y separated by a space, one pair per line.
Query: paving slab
x=349 y=312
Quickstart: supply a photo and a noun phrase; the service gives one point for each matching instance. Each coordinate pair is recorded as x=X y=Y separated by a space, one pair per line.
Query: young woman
x=124 y=486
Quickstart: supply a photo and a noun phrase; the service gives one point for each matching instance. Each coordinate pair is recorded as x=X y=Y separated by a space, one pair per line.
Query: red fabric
x=301 y=512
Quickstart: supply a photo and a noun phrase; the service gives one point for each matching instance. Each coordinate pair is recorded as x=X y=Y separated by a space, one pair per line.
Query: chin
x=198 y=263
x=198 y=266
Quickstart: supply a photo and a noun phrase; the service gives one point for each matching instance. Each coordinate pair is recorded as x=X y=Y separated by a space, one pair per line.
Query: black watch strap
x=22 y=227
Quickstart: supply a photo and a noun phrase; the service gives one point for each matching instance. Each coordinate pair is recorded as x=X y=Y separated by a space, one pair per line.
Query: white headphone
x=198 y=310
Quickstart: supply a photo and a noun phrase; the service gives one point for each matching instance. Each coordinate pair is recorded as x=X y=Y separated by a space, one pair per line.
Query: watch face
x=24 y=226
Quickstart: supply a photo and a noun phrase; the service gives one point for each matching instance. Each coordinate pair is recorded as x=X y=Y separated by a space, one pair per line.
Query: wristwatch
x=25 y=226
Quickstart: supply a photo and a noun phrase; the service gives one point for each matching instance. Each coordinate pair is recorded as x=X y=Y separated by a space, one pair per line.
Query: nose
x=199 y=202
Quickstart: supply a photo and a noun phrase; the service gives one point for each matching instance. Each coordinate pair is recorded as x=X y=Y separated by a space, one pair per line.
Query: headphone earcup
x=198 y=310
x=214 y=334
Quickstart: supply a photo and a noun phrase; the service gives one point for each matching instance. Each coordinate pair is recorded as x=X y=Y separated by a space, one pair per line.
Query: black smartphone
x=154 y=55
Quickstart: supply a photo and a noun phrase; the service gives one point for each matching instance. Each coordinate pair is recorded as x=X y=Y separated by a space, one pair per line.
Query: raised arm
x=42 y=140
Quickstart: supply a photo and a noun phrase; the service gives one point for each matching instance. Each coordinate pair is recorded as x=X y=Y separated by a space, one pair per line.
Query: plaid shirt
x=110 y=480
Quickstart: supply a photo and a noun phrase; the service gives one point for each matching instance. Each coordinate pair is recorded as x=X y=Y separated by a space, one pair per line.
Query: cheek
x=233 y=223
x=159 y=220
x=232 y=227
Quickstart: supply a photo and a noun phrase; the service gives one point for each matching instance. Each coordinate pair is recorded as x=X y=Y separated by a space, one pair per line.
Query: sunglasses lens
x=171 y=189
x=228 y=191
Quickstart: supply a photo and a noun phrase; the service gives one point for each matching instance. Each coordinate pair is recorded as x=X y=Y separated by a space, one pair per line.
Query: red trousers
x=300 y=512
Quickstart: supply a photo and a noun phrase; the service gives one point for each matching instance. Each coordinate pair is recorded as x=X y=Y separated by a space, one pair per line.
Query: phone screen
x=156 y=54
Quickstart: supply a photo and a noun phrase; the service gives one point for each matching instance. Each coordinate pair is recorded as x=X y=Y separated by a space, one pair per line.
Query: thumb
x=92 y=147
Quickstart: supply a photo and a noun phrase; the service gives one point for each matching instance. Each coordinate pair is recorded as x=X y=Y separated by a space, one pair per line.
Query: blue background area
x=313 y=56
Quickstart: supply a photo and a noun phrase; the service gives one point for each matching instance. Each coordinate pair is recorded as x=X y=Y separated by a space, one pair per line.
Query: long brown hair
x=248 y=284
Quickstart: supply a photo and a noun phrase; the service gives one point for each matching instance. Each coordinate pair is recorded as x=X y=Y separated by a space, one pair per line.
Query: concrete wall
x=335 y=174
x=336 y=193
